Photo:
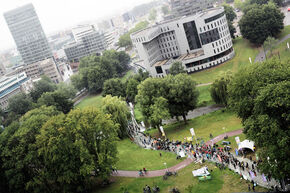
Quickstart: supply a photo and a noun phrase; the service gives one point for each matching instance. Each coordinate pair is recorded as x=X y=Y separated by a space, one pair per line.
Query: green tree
x=131 y=89
x=269 y=44
x=40 y=87
x=219 y=89
x=20 y=104
x=78 y=82
x=114 y=87
x=165 y=9
x=181 y=94
x=57 y=99
x=176 y=68
x=67 y=89
x=159 y=111
x=119 y=113
x=152 y=14
x=262 y=2
x=75 y=147
x=262 y=101
x=19 y=155
x=230 y=13
x=260 y=22
x=238 y=4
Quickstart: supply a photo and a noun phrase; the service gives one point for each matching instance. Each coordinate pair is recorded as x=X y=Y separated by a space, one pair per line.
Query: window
x=177 y=25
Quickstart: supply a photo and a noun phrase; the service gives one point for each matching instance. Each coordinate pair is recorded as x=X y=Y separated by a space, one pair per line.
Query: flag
x=237 y=152
x=264 y=178
x=192 y=132
x=252 y=175
x=219 y=158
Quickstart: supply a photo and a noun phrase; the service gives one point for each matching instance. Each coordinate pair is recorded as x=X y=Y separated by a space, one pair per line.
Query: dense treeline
x=95 y=70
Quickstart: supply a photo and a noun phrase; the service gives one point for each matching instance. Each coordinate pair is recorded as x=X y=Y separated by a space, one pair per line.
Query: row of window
x=220 y=49
x=214 y=17
x=213 y=25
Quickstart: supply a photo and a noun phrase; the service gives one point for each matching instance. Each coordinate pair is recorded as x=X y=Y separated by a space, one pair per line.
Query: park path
x=196 y=113
x=204 y=84
x=261 y=56
x=183 y=164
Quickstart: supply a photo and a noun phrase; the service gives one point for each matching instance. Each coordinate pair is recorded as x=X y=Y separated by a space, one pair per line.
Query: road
x=287 y=15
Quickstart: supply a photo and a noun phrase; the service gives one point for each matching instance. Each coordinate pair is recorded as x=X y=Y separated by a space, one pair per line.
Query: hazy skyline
x=57 y=15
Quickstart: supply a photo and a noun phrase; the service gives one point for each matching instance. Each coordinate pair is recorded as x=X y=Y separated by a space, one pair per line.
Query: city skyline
x=64 y=14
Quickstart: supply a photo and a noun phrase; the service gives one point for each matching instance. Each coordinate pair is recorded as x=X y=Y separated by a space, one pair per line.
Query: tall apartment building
x=35 y=70
x=12 y=85
x=28 y=34
x=198 y=41
x=89 y=41
x=189 y=7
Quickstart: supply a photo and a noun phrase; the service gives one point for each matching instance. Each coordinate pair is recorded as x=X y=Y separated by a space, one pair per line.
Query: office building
x=13 y=85
x=36 y=70
x=92 y=42
x=189 y=7
x=28 y=34
x=198 y=41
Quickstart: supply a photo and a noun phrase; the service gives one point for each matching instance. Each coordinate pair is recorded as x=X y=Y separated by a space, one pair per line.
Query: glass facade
x=192 y=35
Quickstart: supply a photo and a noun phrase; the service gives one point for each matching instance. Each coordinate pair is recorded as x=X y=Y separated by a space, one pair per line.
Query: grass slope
x=133 y=157
x=90 y=101
x=204 y=97
x=243 y=50
x=222 y=182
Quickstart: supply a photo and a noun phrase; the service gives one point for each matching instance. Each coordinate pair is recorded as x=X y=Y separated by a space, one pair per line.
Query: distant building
x=198 y=41
x=2 y=69
x=89 y=42
x=189 y=7
x=36 y=70
x=82 y=31
x=126 y=17
x=10 y=86
x=28 y=34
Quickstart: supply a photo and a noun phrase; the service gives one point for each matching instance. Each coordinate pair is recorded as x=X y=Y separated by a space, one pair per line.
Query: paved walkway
x=177 y=167
x=261 y=56
x=196 y=113
x=204 y=84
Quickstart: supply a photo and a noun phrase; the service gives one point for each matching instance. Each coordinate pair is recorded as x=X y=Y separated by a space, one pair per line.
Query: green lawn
x=204 y=98
x=222 y=182
x=243 y=50
x=285 y=31
x=281 y=50
x=138 y=114
x=127 y=75
x=90 y=101
x=203 y=126
x=133 y=157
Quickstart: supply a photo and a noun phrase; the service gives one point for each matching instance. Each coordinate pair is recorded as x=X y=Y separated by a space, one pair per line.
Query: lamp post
x=225 y=133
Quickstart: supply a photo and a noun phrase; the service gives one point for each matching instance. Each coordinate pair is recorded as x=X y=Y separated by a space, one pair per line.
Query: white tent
x=201 y=172
x=246 y=144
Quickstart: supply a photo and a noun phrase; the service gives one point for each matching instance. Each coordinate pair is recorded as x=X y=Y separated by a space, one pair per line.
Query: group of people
x=147 y=189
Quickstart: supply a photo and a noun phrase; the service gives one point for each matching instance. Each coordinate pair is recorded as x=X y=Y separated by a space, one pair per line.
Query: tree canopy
x=119 y=112
x=219 y=89
x=259 y=22
x=114 y=87
x=95 y=70
x=48 y=151
x=176 y=68
x=40 y=87
x=20 y=104
x=260 y=95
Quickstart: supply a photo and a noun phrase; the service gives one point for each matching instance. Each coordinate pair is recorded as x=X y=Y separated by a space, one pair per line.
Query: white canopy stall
x=246 y=144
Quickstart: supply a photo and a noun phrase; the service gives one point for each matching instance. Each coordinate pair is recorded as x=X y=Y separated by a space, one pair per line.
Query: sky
x=56 y=15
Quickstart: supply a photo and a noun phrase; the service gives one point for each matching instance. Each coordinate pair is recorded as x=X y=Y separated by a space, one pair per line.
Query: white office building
x=199 y=41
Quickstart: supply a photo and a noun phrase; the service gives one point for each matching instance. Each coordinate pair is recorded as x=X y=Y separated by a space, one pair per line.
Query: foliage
x=219 y=89
x=180 y=92
x=114 y=87
x=95 y=70
x=230 y=13
x=125 y=40
x=57 y=99
x=238 y=4
x=165 y=9
x=152 y=14
x=40 y=87
x=119 y=112
x=131 y=89
x=262 y=2
x=260 y=22
x=176 y=68
x=67 y=89
x=159 y=111
x=52 y=152
x=270 y=43
x=260 y=96
x=20 y=104
x=19 y=151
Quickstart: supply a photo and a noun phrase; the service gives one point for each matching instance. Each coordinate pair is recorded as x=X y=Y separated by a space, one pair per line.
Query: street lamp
x=225 y=133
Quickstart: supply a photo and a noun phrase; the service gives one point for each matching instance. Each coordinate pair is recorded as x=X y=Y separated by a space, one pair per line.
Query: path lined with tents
x=183 y=164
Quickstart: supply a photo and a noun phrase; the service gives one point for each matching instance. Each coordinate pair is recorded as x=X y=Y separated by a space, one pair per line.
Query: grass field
x=243 y=50
x=204 y=98
x=203 y=126
x=133 y=157
x=90 y=101
x=281 y=50
x=285 y=31
x=223 y=181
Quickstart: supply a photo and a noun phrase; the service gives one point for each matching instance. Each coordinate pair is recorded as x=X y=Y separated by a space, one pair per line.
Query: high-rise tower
x=28 y=34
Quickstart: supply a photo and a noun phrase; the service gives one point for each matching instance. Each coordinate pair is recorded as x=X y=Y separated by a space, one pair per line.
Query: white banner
x=192 y=132
x=162 y=130
x=238 y=140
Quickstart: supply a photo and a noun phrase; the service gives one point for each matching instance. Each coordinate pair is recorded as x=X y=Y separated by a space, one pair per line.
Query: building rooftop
x=191 y=55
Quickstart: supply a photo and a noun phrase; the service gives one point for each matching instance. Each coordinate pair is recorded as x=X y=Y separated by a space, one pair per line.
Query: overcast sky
x=59 y=14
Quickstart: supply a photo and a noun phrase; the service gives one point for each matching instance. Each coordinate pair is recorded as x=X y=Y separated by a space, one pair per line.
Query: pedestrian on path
x=160 y=154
